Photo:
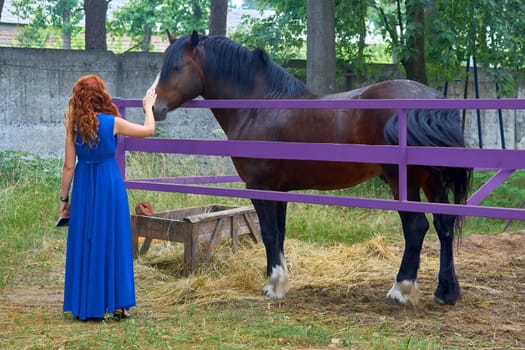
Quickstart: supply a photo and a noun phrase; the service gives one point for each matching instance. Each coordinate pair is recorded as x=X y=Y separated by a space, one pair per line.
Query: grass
x=32 y=262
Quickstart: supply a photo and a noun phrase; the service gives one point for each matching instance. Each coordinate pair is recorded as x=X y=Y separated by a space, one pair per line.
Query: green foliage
x=179 y=17
x=490 y=31
x=378 y=53
x=133 y=19
x=33 y=37
x=47 y=16
x=282 y=34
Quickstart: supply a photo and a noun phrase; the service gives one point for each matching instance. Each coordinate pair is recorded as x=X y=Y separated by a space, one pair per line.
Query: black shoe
x=121 y=314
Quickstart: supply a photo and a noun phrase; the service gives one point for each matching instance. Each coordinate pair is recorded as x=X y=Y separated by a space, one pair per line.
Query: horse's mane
x=231 y=62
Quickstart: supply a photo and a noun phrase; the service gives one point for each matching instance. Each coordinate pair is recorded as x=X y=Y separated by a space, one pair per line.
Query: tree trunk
x=320 y=49
x=1 y=7
x=95 y=35
x=66 y=40
x=415 y=62
x=147 y=38
x=362 y=20
x=218 y=15
x=66 y=27
x=197 y=11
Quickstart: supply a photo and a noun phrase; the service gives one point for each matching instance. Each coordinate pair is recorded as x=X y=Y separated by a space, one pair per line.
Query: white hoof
x=276 y=285
x=403 y=293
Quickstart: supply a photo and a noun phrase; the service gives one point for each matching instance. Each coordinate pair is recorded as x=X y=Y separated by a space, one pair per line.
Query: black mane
x=230 y=62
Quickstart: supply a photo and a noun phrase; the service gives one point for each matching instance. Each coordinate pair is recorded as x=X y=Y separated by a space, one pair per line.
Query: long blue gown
x=99 y=275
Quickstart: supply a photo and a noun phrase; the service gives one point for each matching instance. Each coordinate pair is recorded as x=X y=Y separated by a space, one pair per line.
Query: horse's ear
x=171 y=38
x=194 y=39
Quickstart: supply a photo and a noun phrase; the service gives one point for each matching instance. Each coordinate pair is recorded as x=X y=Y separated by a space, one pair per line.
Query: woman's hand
x=64 y=209
x=149 y=100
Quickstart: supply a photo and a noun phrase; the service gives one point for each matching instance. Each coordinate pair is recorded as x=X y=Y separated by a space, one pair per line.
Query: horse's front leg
x=405 y=290
x=272 y=220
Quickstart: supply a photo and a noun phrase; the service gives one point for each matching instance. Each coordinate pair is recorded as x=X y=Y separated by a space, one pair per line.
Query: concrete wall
x=513 y=120
x=35 y=85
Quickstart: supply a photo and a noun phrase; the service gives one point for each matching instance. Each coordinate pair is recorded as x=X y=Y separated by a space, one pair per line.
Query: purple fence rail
x=504 y=161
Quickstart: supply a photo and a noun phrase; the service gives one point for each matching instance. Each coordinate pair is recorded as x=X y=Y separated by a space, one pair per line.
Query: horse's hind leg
x=448 y=290
x=272 y=220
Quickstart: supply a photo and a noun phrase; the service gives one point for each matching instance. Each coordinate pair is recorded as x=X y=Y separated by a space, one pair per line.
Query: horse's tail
x=436 y=128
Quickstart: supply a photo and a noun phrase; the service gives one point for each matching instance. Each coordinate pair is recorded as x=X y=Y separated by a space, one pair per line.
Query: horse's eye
x=177 y=68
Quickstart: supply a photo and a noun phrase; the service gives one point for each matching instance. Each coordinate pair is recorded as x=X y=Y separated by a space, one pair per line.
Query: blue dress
x=99 y=275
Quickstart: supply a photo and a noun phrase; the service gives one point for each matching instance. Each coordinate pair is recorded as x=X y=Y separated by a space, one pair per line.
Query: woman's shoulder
x=106 y=121
x=105 y=116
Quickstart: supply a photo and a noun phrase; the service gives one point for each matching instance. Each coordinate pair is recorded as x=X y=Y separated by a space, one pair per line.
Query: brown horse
x=218 y=68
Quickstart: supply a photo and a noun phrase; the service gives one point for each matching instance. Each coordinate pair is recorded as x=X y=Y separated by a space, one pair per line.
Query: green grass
x=319 y=223
x=29 y=187
x=32 y=256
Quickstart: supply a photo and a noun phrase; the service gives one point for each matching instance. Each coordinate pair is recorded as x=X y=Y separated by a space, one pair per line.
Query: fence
x=504 y=161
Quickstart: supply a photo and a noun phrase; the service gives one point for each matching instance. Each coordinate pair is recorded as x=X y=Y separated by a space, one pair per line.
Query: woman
x=99 y=275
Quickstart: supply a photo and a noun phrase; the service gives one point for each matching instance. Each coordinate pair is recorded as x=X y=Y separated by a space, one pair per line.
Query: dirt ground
x=490 y=268
x=491 y=271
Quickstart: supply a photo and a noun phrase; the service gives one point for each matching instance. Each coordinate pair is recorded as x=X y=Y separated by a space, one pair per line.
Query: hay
x=227 y=277
x=241 y=276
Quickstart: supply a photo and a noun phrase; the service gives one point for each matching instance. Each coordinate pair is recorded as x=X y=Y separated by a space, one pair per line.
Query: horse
x=218 y=68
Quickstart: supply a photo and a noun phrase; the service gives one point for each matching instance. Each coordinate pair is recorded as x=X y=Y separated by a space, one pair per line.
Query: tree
x=320 y=56
x=405 y=26
x=415 y=63
x=433 y=37
x=139 y=19
x=351 y=23
x=440 y=35
x=46 y=15
x=95 y=35
x=493 y=32
x=218 y=15
x=1 y=8
x=183 y=16
x=283 y=33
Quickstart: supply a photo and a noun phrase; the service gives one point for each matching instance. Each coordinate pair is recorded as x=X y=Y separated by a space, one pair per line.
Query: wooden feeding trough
x=195 y=226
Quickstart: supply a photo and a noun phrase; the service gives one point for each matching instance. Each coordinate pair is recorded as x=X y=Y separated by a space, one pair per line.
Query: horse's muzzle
x=160 y=112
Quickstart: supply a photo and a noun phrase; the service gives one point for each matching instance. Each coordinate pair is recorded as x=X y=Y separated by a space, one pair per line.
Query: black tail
x=436 y=128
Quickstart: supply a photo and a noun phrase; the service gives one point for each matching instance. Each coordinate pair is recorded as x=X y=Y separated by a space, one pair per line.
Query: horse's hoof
x=393 y=302
x=449 y=295
x=269 y=292
x=276 y=285
x=440 y=301
x=403 y=293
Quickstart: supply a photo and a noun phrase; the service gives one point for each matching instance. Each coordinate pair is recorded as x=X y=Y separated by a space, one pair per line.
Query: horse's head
x=181 y=75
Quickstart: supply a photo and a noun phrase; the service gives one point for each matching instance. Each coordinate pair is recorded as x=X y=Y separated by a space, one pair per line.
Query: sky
x=237 y=2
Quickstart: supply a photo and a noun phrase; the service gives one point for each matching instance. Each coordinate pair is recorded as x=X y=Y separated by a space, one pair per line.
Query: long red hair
x=88 y=99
